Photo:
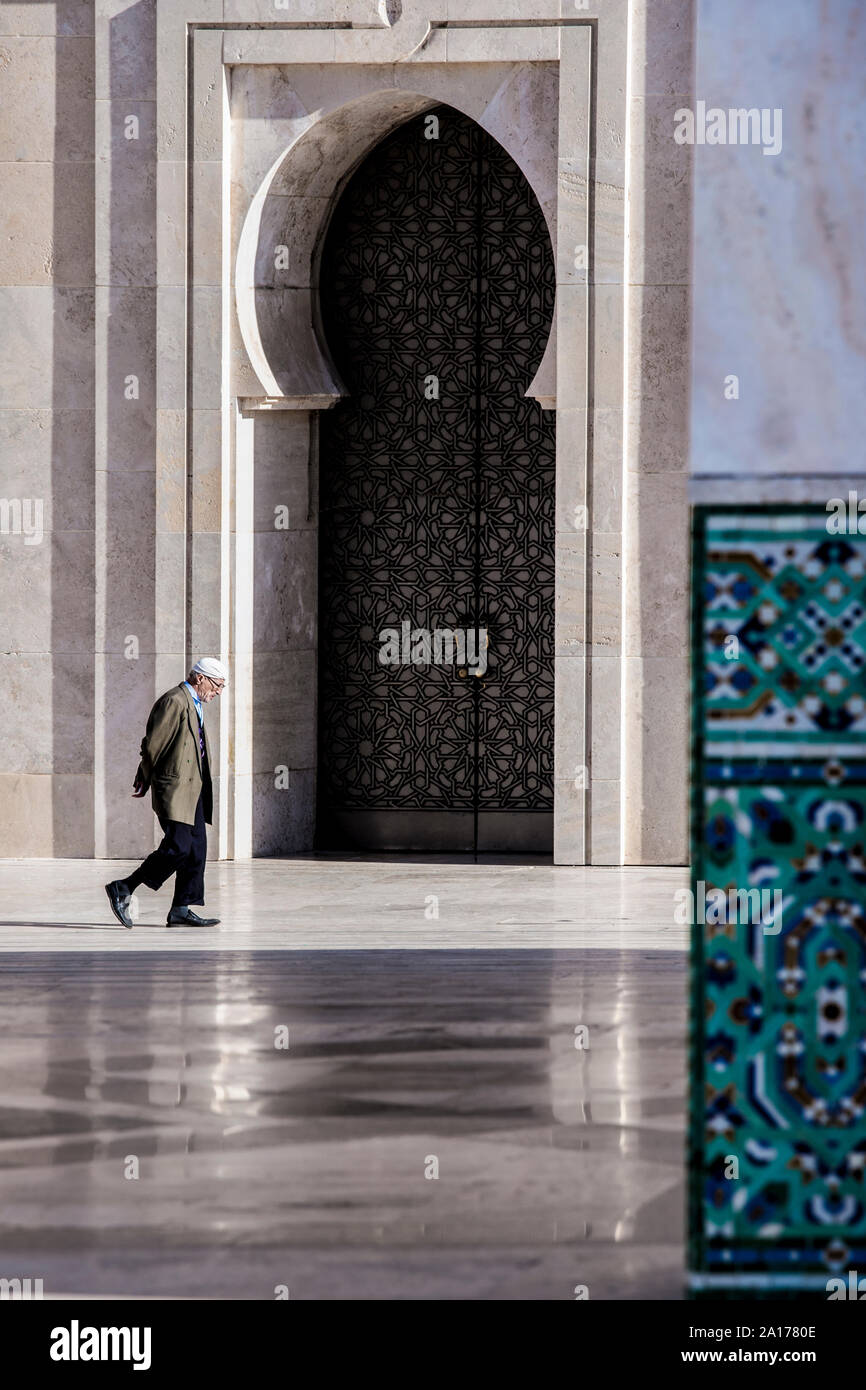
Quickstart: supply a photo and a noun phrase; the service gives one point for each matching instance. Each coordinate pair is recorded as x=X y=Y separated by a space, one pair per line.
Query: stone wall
x=47 y=428
x=136 y=138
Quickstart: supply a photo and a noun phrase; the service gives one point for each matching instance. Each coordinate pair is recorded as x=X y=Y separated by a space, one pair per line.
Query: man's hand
x=138 y=788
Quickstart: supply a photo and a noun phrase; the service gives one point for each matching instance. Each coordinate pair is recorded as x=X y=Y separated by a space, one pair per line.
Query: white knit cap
x=209 y=666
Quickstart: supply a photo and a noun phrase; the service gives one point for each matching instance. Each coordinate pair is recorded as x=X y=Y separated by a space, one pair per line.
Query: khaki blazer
x=171 y=759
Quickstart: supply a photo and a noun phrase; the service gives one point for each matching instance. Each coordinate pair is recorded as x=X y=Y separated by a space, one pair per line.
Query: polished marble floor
x=431 y=1009
x=328 y=902
x=311 y=1166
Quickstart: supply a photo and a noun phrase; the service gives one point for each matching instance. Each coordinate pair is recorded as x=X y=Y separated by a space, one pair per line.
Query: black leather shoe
x=120 y=900
x=185 y=917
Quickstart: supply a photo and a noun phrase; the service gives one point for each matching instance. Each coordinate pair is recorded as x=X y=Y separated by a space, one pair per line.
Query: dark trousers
x=182 y=852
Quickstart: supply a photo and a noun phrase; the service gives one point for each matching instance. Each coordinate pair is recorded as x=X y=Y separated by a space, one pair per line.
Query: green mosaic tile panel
x=778 y=1111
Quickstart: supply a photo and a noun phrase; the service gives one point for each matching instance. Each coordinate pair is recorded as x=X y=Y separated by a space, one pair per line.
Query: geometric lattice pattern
x=437 y=500
x=779 y=803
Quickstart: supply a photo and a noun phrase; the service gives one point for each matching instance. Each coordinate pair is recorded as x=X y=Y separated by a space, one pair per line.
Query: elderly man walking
x=175 y=765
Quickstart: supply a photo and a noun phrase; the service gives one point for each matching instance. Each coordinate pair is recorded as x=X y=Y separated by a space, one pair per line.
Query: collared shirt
x=196 y=702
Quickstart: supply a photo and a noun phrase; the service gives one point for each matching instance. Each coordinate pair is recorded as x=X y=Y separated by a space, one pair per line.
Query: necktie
x=200 y=731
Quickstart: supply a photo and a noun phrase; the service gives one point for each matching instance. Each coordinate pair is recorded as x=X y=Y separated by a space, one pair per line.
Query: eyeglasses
x=218 y=688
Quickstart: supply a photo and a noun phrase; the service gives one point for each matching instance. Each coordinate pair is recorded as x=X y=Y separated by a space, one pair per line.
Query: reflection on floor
x=323 y=901
x=311 y=1166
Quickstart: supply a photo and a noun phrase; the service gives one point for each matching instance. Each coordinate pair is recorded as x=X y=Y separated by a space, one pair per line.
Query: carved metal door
x=436 y=502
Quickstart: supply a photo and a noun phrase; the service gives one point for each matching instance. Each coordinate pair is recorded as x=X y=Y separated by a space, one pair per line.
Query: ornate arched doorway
x=437 y=477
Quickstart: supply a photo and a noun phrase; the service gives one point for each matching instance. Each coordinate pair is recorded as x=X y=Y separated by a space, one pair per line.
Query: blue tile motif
x=778 y=1113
